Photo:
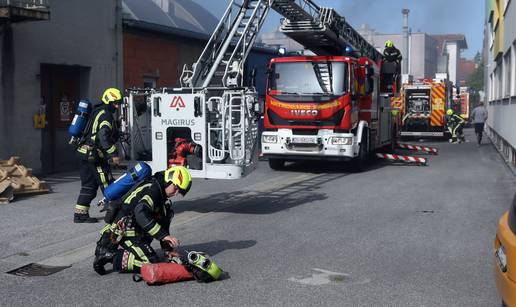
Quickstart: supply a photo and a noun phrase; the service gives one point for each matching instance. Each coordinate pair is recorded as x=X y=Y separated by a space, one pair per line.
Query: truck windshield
x=309 y=78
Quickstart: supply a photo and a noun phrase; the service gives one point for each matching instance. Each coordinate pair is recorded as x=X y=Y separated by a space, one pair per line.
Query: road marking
x=322 y=277
x=71 y=257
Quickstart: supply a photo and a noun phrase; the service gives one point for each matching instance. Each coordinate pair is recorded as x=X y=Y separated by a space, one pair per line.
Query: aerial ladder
x=214 y=111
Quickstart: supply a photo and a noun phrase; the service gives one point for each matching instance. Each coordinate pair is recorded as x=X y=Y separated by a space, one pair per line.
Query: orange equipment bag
x=162 y=273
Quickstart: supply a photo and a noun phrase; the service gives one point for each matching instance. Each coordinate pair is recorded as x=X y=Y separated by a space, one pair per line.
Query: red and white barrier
x=428 y=149
x=408 y=159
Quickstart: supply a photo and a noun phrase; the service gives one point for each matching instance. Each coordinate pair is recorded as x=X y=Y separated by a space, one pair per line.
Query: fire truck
x=422 y=107
x=210 y=122
x=328 y=106
x=464 y=102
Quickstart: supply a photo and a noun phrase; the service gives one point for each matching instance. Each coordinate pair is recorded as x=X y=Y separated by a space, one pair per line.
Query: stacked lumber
x=16 y=179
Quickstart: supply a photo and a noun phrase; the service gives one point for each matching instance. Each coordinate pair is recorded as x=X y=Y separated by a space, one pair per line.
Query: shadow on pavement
x=261 y=202
x=332 y=167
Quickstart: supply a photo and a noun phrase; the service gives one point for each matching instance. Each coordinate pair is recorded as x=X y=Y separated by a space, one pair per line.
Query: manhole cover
x=34 y=269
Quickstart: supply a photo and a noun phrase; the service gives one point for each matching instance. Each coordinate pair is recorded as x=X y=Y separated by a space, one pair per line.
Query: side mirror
x=259 y=106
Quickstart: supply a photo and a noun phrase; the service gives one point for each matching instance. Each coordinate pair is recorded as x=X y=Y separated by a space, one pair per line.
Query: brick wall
x=157 y=56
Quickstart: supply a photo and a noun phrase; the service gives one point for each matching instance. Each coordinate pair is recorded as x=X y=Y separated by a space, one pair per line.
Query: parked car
x=505 y=256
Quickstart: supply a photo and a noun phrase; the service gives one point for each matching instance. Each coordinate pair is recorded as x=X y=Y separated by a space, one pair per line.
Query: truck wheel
x=361 y=161
x=276 y=164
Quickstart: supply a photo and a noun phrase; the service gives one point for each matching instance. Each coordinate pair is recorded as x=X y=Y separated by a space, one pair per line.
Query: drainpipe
x=406 y=54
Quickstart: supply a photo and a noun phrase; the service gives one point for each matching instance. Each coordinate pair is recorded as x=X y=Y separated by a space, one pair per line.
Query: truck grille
x=305 y=147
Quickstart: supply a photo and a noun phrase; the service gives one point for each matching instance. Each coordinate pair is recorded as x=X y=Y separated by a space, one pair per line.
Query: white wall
x=453 y=60
x=501 y=80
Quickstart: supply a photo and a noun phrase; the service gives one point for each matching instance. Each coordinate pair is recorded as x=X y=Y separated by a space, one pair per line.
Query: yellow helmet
x=112 y=95
x=389 y=44
x=449 y=112
x=180 y=177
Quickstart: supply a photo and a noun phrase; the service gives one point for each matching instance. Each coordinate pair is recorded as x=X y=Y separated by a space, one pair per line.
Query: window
x=505 y=5
x=507 y=78
x=513 y=70
x=149 y=82
x=491 y=35
x=499 y=79
x=309 y=78
x=491 y=88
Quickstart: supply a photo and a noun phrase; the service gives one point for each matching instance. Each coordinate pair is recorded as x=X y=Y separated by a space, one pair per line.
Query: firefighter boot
x=83 y=218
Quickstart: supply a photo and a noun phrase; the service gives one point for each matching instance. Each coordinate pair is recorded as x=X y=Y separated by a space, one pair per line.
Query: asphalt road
x=314 y=234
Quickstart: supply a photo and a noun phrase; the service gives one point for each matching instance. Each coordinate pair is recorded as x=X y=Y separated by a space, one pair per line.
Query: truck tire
x=360 y=162
x=276 y=164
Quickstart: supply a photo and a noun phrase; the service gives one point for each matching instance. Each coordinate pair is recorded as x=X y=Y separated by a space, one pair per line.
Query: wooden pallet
x=16 y=179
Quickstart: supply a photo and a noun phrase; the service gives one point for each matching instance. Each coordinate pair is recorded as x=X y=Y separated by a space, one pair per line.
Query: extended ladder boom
x=319 y=29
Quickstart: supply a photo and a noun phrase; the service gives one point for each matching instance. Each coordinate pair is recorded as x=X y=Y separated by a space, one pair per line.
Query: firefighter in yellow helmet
x=143 y=214
x=391 y=53
x=95 y=149
x=455 y=124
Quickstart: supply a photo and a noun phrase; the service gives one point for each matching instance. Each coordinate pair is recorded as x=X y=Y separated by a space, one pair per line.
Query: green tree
x=476 y=80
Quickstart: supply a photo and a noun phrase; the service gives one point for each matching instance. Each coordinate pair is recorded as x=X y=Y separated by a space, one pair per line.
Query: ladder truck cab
x=325 y=108
x=330 y=106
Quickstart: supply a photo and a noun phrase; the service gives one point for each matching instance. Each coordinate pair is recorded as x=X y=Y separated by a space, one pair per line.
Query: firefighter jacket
x=144 y=211
x=101 y=132
x=454 y=120
x=392 y=54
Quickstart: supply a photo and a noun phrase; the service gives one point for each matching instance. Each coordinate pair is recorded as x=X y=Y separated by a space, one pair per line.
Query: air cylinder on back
x=80 y=120
x=124 y=183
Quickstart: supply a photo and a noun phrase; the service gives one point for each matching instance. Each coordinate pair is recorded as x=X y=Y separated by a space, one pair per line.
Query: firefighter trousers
x=456 y=132
x=133 y=254
x=93 y=175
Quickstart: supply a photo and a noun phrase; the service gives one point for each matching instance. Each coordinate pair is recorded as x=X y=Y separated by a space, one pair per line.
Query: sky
x=430 y=16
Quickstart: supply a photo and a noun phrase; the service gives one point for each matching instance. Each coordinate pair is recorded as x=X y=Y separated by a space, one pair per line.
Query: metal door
x=60 y=88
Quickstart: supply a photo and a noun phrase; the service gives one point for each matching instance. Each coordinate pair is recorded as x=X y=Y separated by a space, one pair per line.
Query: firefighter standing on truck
x=455 y=124
x=95 y=149
x=391 y=53
x=143 y=214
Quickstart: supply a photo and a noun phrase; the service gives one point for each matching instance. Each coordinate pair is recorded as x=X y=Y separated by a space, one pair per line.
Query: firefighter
x=391 y=53
x=455 y=123
x=143 y=214
x=392 y=68
x=94 y=151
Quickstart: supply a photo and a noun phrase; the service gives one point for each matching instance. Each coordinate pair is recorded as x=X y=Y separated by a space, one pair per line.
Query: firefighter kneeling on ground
x=455 y=124
x=143 y=214
x=97 y=147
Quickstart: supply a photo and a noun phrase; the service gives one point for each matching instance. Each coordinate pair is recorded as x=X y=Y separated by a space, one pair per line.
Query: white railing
x=29 y=4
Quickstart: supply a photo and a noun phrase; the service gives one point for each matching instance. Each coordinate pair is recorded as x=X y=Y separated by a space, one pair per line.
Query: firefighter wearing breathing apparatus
x=141 y=215
x=95 y=149
x=455 y=123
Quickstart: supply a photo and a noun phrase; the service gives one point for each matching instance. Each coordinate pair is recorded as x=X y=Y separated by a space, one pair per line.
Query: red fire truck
x=325 y=108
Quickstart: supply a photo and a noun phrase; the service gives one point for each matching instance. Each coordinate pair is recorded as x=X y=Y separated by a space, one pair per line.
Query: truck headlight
x=339 y=140
x=269 y=138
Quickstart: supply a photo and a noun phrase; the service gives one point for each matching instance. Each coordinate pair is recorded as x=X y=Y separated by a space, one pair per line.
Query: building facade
x=47 y=66
x=500 y=74
x=428 y=54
